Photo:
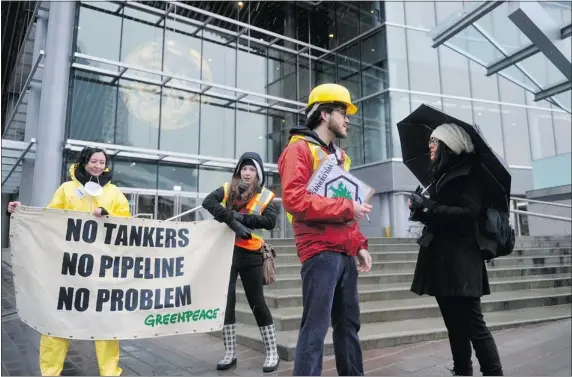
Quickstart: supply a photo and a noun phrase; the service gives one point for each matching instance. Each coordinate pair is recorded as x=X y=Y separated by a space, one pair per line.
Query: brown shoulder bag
x=269 y=266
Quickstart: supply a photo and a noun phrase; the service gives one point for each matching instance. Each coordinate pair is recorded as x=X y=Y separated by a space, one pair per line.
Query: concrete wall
x=546 y=227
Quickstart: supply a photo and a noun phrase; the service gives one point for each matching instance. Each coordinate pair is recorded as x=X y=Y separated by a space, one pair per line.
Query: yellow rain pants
x=53 y=353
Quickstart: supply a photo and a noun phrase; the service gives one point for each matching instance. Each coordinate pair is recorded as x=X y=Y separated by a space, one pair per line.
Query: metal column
x=48 y=164
x=33 y=113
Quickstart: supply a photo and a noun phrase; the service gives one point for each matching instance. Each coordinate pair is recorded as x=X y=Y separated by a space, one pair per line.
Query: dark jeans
x=329 y=291
x=252 y=277
x=464 y=321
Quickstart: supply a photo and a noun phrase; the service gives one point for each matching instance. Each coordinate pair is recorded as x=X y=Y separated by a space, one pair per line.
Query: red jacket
x=319 y=223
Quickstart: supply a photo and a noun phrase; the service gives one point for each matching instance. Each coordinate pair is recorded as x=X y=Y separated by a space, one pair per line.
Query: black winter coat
x=450 y=260
x=266 y=220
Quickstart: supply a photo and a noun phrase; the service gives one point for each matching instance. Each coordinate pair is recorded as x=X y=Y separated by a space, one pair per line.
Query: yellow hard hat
x=332 y=93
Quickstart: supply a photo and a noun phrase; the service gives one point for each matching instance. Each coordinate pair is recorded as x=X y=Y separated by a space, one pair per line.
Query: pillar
x=53 y=103
x=33 y=113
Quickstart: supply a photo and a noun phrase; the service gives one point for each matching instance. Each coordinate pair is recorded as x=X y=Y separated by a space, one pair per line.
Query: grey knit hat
x=455 y=137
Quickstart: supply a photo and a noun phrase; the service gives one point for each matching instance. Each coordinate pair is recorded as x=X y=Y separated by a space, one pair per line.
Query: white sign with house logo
x=331 y=181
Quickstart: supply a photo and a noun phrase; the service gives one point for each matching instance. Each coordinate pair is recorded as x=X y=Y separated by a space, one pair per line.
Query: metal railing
x=184 y=213
x=545 y=216
x=519 y=212
x=541 y=202
x=150 y=215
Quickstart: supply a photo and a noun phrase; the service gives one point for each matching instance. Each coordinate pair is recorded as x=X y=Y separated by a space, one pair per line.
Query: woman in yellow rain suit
x=89 y=175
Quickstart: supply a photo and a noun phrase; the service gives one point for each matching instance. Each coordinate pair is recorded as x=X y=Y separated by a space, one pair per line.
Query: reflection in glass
x=349 y=69
x=353 y=144
x=134 y=173
x=251 y=72
x=423 y=63
x=177 y=177
x=541 y=133
x=216 y=60
x=251 y=133
x=482 y=87
x=497 y=25
x=377 y=129
x=374 y=63
x=487 y=117
x=515 y=131
x=138 y=114
x=146 y=204
x=459 y=109
x=210 y=178
x=180 y=114
x=454 y=78
x=93 y=107
x=400 y=108
x=562 y=131
x=217 y=128
x=92 y=39
x=281 y=74
x=420 y=14
x=510 y=92
x=165 y=207
x=142 y=41
x=397 y=55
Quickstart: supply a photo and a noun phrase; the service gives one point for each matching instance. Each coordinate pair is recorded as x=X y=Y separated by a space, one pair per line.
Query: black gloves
x=240 y=230
x=417 y=206
x=417 y=201
x=238 y=217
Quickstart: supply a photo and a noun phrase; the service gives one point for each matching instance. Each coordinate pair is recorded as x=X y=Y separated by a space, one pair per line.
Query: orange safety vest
x=319 y=154
x=255 y=206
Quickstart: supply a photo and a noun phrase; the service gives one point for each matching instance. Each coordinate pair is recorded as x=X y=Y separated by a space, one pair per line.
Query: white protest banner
x=77 y=276
x=331 y=181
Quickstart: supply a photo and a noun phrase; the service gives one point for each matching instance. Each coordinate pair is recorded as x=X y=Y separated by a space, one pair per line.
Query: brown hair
x=236 y=200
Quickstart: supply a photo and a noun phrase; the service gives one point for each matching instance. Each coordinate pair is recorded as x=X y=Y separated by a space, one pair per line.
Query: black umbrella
x=414 y=133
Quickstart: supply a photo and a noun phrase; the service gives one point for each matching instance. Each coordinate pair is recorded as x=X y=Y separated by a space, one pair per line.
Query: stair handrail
x=517 y=211
x=184 y=213
x=150 y=215
x=541 y=202
x=536 y=214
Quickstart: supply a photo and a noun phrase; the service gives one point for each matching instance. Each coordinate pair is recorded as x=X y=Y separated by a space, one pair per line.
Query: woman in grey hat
x=450 y=265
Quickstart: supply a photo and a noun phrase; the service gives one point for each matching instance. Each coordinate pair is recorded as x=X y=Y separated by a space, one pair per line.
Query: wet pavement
x=540 y=350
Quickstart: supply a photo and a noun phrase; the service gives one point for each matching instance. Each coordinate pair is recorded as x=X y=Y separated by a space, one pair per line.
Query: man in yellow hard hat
x=327 y=236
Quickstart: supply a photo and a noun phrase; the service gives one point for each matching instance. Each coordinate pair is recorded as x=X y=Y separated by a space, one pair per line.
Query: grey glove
x=240 y=230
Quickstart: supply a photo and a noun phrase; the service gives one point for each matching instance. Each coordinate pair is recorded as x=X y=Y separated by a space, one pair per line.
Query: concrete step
x=381 y=266
x=281 y=298
x=389 y=255
x=399 y=248
x=420 y=308
x=393 y=333
x=382 y=278
x=540 y=241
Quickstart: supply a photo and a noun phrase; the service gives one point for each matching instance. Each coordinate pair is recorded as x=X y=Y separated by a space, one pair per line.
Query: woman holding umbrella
x=450 y=265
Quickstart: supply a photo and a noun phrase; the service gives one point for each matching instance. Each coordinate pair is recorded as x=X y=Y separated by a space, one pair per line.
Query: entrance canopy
x=13 y=152
x=527 y=42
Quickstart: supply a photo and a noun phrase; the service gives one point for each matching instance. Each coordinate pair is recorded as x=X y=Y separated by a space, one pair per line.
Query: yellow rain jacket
x=69 y=196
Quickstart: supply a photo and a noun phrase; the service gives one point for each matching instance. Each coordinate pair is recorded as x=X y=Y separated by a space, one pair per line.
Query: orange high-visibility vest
x=318 y=155
x=255 y=206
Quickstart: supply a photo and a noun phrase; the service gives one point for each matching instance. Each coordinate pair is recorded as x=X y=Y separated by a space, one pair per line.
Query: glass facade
x=212 y=80
x=138 y=110
x=453 y=78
